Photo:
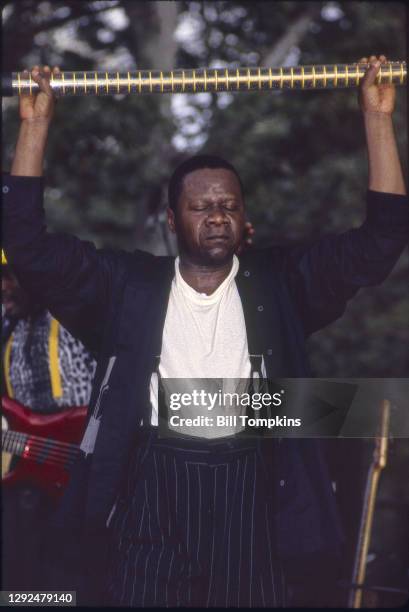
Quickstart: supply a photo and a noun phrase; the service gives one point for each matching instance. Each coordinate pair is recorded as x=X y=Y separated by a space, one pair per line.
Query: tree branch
x=56 y=23
x=291 y=38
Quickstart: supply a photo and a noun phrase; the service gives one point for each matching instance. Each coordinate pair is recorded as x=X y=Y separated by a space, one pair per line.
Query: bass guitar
x=40 y=448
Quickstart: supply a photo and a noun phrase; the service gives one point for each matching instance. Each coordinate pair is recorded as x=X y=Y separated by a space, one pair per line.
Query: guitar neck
x=39 y=449
x=368 y=508
x=334 y=76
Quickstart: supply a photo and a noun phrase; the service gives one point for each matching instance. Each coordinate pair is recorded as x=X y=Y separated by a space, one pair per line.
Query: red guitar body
x=42 y=461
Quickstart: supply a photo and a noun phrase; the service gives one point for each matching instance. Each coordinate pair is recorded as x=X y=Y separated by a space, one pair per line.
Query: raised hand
x=36 y=113
x=39 y=106
x=247 y=241
x=375 y=98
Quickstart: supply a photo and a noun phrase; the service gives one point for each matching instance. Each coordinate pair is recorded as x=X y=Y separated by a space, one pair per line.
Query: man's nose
x=217 y=217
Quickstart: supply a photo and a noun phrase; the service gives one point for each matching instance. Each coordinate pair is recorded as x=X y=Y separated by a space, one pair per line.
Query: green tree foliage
x=301 y=154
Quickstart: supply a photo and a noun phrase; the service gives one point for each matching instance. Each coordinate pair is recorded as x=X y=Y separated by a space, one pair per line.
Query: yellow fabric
x=3 y=257
x=6 y=364
x=55 y=374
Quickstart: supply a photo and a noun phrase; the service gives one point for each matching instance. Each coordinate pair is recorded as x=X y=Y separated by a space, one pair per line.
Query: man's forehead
x=212 y=179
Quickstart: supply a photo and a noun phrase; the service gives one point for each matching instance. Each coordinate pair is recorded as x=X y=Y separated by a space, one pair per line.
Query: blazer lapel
x=126 y=403
x=260 y=299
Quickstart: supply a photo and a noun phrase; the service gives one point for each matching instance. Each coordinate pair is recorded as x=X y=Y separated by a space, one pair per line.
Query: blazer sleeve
x=70 y=277
x=322 y=276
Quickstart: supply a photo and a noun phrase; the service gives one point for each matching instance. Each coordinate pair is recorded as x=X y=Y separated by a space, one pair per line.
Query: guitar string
x=43 y=450
x=15 y=435
x=38 y=446
x=37 y=441
x=52 y=457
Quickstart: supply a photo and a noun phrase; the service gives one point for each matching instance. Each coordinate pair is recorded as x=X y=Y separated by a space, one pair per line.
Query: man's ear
x=171 y=220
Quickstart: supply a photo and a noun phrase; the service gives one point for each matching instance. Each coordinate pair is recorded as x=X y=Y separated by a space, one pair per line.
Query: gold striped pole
x=95 y=83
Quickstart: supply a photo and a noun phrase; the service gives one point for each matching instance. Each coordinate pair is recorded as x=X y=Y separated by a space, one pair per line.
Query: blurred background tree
x=301 y=155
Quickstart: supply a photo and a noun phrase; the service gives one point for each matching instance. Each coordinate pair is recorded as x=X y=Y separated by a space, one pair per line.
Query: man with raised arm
x=218 y=519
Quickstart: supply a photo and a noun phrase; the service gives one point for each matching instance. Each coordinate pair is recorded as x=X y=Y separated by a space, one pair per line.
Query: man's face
x=14 y=299
x=209 y=222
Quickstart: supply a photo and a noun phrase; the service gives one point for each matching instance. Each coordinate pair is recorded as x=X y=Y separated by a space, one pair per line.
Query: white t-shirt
x=204 y=336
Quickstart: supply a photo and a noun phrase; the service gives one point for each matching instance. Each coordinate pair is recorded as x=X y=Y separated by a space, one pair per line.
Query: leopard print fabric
x=29 y=371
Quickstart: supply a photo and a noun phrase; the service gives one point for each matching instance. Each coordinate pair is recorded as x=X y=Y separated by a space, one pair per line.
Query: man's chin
x=218 y=254
x=209 y=254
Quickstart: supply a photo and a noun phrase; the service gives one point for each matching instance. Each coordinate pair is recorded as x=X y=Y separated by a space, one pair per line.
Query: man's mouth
x=218 y=238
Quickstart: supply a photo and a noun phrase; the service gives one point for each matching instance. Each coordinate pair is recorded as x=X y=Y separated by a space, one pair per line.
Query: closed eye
x=199 y=207
x=231 y=206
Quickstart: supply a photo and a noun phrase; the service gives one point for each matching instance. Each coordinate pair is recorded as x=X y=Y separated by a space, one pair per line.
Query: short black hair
x=196 y=162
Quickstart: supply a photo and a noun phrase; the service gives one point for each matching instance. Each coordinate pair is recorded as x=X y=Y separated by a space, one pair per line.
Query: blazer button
x=5 y=189
x=246 y=273
x=282 y=483
x=260 y=308
x=269 y=351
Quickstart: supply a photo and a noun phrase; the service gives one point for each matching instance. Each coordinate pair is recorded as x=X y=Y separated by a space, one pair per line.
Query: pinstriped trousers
x=193 y=528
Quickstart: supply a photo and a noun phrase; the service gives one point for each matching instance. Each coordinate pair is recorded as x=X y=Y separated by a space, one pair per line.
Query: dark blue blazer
x=116 y=302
